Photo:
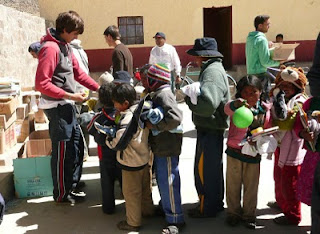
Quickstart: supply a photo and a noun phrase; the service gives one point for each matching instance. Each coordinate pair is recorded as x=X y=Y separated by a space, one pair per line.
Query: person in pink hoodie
x=242 y=169
x=57 y=73
x=287 y=95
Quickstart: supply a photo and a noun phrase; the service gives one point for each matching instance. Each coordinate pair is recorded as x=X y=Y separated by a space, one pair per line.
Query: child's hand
x=149 y=125
x=239 y=103
x=305 y=134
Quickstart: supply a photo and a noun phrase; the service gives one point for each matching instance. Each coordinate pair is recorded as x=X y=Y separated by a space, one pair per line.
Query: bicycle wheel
x=179 y=94
x=232 y=86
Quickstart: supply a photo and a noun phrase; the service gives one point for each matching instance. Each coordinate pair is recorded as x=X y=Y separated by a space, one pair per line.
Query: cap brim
x=204 y=53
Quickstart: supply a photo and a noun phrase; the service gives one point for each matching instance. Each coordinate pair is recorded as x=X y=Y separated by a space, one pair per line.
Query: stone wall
x=30 y=6
x=17 y=31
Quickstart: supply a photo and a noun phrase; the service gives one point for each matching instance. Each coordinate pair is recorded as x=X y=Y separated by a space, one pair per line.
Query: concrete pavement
x=42 y=215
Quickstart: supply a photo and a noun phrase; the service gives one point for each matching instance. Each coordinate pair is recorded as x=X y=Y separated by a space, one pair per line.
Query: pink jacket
x=291 y=146
x=236 y=135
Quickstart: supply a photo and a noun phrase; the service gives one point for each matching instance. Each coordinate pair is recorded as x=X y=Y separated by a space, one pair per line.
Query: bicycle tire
x=232 y=86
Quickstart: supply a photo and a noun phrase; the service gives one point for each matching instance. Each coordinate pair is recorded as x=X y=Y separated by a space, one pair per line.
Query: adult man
x=57 y=73
x=258 y=54
x=210 y=121
x=166 y=54
x=121 y=57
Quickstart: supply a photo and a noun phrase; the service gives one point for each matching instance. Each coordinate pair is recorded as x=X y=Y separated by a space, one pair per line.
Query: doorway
x=217 y=23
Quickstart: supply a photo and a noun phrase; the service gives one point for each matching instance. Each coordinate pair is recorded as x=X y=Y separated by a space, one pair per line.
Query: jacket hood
x=76 y=43
x=52 y=36
x=255 y=34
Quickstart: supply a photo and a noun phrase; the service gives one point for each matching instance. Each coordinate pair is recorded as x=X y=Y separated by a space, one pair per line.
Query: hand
x=78 y=97
x=305 y=134
x=178 y=80
x=239 y=103
x=149 y=125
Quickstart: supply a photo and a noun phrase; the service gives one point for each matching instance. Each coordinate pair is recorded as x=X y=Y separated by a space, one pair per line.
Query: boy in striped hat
x=166 y=146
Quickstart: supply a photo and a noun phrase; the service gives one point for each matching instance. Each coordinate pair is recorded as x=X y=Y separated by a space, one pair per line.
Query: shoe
x=274 y=205
x=69 y=200
x=170 y=229
x=123 y=225
x=283 y=220
x=180 y=226
x=78 y=193
x=232 y=220
x=251 y=224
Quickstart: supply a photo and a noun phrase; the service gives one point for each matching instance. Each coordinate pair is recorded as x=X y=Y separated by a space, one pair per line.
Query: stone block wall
x=17 y=31
x=30 y=6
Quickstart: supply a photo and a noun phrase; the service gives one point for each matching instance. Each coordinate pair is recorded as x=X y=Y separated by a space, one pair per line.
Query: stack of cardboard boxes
x=27 y=149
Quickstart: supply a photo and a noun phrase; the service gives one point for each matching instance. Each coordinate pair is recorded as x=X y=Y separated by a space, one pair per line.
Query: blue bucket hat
x=121 y=77
x=205 y=47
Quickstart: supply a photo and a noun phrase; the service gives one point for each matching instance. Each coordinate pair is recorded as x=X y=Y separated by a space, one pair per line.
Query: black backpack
x=2 y=208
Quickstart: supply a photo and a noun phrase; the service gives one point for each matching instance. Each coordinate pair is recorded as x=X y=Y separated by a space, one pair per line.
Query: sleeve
x=48 y=60
x=152 y=58
x=117 y=61
x=176 y=61
x=82 y=77
x=264 y=54
x=211 y=94
x=112 y=143
x=229 y=108
x=99 y=138
x=172 y=114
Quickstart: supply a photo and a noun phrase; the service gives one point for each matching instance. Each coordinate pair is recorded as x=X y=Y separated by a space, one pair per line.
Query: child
x=312 y=158
x=133 y=160
x=107 y=157
x=166 y=146
x=241 y=168
x=287 y=94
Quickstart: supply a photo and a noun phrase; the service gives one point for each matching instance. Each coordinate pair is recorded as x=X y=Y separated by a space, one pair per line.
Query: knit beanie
x=159 y=72
x=105 y=78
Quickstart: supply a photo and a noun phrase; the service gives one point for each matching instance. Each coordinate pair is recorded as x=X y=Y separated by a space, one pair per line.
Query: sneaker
x=274 y=205
x=251 y=224
x=283 y=220
x=123 y=225
x=76 y=193
x=69 y=200
x=232 y=220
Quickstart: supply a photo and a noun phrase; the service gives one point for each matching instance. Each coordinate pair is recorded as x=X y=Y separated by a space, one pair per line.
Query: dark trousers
x=109 y=173
x=67 y=150
x=315 y=202
x=208 y=172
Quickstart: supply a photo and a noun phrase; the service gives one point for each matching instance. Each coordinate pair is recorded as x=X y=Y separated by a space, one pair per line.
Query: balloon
x=242 y=117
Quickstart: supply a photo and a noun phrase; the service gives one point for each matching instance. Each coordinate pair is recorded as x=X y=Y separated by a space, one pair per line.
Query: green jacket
x=258 y=54
x=208 y=115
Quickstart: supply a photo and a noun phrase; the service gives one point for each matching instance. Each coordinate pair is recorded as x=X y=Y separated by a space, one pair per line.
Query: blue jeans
x=168 y=179
x=208 y=172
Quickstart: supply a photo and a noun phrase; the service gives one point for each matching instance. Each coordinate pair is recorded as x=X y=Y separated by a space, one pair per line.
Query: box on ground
x=8 y=105
x=22 y=111
x=7 y=138
x=284 y=51
x=39 y=144
x=32 y=177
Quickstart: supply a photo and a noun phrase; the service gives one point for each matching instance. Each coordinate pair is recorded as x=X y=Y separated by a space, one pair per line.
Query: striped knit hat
x=159 y=72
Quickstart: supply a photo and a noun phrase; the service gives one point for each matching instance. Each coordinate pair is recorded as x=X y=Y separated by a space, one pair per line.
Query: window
x=131 y=30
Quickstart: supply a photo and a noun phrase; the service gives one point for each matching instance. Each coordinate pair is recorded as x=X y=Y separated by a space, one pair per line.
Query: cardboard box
x=32 y=177
x=7 y=120
x=40 y=117
x=22 y=111
x=39 y=144
x=7 y=138
x=8 y=105
x=284 y=51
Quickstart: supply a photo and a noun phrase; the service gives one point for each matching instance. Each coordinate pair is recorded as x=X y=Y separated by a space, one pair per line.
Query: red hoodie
x=58 y=69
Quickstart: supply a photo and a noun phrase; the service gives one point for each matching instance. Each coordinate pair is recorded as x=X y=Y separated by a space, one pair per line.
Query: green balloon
x=242 y=117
